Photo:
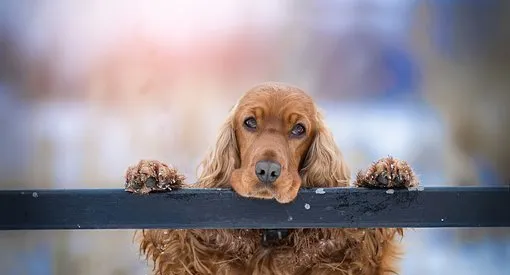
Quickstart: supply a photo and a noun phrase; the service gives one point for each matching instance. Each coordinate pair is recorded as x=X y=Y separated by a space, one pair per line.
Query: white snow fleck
x=35 y=195
x=290 y=218
x=390 y=191
x=307 y=206
x=320 y=191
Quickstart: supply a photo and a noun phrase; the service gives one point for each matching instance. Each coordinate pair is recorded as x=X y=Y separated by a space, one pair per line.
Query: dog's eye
x=250 y=123
x=298 y=130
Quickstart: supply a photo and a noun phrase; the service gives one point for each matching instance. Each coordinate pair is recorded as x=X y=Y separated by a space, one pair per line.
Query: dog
x=273 y=143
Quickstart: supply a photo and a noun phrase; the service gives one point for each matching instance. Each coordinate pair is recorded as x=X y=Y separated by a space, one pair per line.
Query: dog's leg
x=151 y=176
x=174 y=252
x=387 y=172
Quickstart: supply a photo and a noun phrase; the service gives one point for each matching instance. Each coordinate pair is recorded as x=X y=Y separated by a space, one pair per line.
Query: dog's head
x=273 y=142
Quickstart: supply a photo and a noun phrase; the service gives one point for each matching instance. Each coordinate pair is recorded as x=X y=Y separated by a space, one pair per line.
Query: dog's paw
x=150 y=176
x=387 y=172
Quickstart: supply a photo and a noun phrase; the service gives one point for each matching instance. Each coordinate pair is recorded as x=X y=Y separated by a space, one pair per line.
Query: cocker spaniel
x=273 y=142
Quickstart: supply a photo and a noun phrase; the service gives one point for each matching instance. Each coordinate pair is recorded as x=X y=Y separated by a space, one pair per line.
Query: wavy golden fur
x=308 y=158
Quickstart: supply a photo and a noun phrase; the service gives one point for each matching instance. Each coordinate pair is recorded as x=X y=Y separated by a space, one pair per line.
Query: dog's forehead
x=278 y=97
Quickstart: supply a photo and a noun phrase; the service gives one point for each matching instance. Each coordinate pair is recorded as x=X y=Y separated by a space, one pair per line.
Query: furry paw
x=387 y=172
x=152 y=175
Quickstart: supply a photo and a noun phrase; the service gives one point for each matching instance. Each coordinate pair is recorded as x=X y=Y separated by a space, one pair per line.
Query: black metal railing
x=222 y=208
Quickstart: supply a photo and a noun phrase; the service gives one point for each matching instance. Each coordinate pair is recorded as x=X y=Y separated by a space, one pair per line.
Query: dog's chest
x=305 y=246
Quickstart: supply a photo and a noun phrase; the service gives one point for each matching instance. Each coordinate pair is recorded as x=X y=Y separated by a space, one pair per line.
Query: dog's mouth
x=263 y=191
x=271 y=193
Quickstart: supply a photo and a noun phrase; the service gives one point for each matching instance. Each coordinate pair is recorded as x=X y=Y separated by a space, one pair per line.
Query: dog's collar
x=273 y=236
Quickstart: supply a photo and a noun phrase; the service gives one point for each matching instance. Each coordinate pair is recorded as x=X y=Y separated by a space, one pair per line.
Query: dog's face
x=273 y=143
x=274 y=130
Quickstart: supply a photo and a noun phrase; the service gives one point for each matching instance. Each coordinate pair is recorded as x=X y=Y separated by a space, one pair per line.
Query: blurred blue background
x=88 y=88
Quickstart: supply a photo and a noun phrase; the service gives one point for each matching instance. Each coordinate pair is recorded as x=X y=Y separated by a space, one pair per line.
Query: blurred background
x=90 y=87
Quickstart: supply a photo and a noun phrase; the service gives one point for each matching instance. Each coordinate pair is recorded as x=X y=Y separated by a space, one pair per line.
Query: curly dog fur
x=281 y=123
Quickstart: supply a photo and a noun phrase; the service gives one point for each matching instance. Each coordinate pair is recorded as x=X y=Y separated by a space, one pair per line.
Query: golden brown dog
x=274 y=142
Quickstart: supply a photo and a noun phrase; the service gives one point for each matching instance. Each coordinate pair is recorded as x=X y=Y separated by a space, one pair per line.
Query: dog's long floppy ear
x=223 y=159
x=324 y=165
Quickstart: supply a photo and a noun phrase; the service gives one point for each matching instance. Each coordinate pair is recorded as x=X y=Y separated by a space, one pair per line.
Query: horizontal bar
x=223 y=208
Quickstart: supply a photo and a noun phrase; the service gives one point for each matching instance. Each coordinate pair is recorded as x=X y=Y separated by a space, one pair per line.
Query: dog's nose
x=267 y=171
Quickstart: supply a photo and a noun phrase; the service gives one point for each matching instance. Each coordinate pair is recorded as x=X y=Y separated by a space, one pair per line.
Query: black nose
x=267 y=171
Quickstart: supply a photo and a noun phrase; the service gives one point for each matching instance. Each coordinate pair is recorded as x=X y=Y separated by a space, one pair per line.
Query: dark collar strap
x=273 y=236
